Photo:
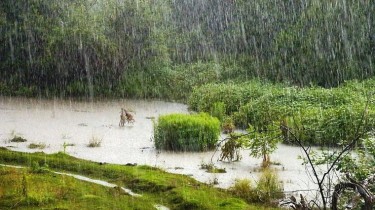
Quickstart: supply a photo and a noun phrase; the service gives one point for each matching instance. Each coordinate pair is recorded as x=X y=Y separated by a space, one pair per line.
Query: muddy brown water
x=54 y=123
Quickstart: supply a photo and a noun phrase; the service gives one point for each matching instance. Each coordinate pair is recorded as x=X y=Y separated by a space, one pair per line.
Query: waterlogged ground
x=54 y=123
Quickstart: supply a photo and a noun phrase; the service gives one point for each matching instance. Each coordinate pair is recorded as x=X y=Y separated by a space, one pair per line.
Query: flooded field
x=55 y=123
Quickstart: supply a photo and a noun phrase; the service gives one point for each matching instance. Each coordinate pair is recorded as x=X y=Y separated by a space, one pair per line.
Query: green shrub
x=262 y=143
x=232 y=95
x=230 y=151
x=333 y=126
x=182 y=132
x=227 y=125
x=218 y=110
x=267 y=189
x=269 y=186
x=5 y=89
x=171 y=83
x=77 y=88
x=243 y=189
x=95 y=142
x=29 y=91
x=260 y=113
x=37 y=146
x=18 y=139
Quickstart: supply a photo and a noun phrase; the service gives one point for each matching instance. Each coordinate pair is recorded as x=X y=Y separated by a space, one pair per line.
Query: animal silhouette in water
x=125 y=117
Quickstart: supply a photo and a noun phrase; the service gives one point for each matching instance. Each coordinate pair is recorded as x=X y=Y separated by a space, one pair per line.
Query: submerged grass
x=37 y=146
x=18 y=139
x=155 y=185
x=95 y=142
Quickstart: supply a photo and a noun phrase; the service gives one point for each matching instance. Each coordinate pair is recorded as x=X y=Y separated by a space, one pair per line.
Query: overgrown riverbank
x=36 y=187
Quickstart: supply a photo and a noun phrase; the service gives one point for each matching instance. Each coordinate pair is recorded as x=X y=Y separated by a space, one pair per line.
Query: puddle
x=63 y=122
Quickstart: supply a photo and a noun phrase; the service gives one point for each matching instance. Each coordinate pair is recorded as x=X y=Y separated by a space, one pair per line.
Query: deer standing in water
x=125 y=117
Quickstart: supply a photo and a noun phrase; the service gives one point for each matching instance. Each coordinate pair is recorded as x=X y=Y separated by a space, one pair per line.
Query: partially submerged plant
x=18 y=139
x=231 y=149
x=186 y=132
x=37 y=146
x=227 y=125
x=262 y=143
x=95 y=142
x=267 y=189
x=211 y=168
x=67 y=145
x=269 y=186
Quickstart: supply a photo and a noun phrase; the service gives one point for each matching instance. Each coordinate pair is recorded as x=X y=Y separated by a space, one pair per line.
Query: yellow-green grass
x=155 y=186
x=22 y=189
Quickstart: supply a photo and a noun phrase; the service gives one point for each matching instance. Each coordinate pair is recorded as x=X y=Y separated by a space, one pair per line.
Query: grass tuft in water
x=37 y=146
x=95 y=142
x=18 y=139
x=211 y=168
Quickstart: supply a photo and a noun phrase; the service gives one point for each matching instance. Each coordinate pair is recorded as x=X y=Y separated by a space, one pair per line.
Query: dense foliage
x=162 y=49
x=316 y=115
x=181 y=132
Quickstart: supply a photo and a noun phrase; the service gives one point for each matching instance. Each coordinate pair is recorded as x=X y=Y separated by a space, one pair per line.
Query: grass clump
x=269 y=186
x=211 y=168
x=267 y=189
x=182 y=132
x=18 y=139
x=37 y=146
x=227 y=125
x=95 y=142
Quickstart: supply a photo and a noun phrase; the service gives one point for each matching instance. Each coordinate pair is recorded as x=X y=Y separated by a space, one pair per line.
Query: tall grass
x=183 y=132
x=316 y=115
x=267 y=189
x=232 y=95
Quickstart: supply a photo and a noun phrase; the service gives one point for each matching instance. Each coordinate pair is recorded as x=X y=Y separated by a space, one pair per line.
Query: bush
x=181 y=132
x=243 y=189
x=269 y=186
x=95 y=142
x=232 y=95
x=316 y=116
x=267 y=189
x=333 y=126
x=260 y=113
x=227 y=125
x=37 y=146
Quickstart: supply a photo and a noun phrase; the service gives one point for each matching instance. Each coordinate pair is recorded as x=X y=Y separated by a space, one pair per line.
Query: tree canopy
x=136 y=48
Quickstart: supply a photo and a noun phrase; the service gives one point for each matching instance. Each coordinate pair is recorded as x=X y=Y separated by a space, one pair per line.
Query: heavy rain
x=190 y=104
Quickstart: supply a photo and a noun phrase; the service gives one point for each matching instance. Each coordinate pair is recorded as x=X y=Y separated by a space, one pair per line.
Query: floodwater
x=58 y=122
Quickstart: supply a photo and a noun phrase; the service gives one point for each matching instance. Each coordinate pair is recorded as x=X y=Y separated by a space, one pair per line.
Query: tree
x=262 y=143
